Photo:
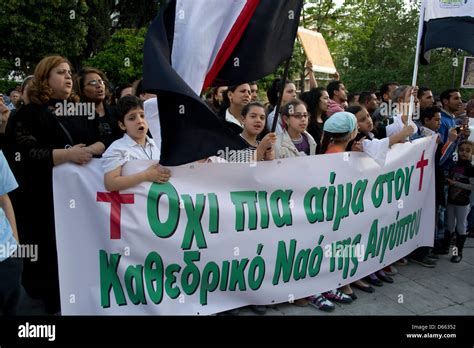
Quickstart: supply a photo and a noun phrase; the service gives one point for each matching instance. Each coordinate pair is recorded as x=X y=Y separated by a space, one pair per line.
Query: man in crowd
x=253 y=91
x=337 y=97
x=425 y=97
x=452 y=103
x=384 y=112
x=369 y=101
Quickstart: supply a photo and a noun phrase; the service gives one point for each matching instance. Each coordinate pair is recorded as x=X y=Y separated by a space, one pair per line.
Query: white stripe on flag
x=201 y=27
x=152 y=117
x=437 y=9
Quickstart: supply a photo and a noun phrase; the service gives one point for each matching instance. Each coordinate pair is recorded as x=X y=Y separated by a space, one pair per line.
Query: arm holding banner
x=114 y=181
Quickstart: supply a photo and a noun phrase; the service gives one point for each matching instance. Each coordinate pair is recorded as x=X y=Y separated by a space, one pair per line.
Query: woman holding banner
x=42 y=139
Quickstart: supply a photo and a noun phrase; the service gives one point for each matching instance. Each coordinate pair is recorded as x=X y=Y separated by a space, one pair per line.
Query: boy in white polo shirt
x=134 y=145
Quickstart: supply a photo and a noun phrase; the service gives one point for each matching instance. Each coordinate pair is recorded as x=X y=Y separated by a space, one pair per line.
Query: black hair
x=139 y=88
x=466 y=142
x=312 y=98
x=386 y=87
x=118 y=90
x=250 y=105
x=428 y=113
x=354 y=109
x=422 y=91
x=274 y=90
x=351 y=97
x=214 y=101
x=225 y=98
x=332 y=87
x=126 y=104
x=289 y=108
x=446 y=95
x=365 y=97
x=80 y=78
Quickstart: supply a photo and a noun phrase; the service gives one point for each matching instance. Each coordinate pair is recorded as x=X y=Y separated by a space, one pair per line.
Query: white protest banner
x=221 y=236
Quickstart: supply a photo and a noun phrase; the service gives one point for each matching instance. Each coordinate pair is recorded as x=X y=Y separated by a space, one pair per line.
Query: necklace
x=299 y=140
x=151 y=151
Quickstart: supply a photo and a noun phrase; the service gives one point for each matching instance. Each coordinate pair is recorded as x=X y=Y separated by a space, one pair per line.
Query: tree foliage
x=32 y=30
x=122 y=56
x=372 y=41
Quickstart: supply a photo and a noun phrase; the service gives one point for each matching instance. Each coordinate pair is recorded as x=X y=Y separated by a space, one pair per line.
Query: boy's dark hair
x=354 y=109
x=446 y=95
x=465 y=142
x=247 y=107
x=126 y=104
x=428 y=113
x=332 y=87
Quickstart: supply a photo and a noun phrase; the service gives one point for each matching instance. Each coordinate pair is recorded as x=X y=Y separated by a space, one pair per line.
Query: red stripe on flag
x=231 y=41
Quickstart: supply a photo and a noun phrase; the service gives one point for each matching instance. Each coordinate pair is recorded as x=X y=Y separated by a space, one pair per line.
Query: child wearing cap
x=338 y=131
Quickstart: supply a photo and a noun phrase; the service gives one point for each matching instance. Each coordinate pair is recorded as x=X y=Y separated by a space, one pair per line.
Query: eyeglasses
x=299 y=116
x=96 y=82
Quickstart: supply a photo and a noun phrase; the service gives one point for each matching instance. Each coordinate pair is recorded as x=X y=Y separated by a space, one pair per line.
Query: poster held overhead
x=317 y=51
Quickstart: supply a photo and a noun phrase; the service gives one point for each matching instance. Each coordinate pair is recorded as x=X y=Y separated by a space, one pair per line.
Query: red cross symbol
x=116 y=199
x=421 y=165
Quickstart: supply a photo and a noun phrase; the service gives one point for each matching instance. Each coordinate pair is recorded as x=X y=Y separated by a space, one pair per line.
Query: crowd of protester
x=35 y=138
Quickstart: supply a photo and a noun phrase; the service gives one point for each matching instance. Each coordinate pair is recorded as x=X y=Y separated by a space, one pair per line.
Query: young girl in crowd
x=461 y=185
x=253 y=122
x=339 y=130
x=295 y=141
x=134 y=145
x=377 y=149
x=317 y=100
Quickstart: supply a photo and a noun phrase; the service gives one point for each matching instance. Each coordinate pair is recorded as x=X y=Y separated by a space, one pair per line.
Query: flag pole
x=417 y=60
x=280 y=97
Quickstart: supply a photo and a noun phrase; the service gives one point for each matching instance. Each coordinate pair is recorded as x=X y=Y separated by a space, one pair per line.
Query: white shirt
x=231 y=119
x=270 y=117
x=427 y=132
x=398 y=125
x=377 y=149
x=126 y=149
